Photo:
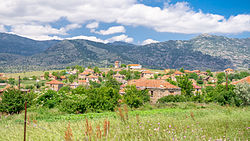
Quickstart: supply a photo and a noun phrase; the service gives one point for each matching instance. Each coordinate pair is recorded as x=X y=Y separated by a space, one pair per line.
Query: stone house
x=147 y=74
x=164 y=77
x=54 y=85
x=82 y=82
x=157 y=88
x=119 y=77
x=63 y=78
x=83 y=75
x=74 y=85
x=92 y=78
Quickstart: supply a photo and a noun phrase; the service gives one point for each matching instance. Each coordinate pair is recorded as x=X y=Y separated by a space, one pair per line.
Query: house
x=74 y=85
x=164 y=77
x=188 y=71
x=2 y=75
x=117 y=64
x=229 y=71
x=147 y=74
x=82 y=82
x=167 y=71
x=197 y=89
x=63 y=78
x=119 y=77
x=157 y=88
x=244 y=80
x=52 y=77
x=92 y=78
x=90 y=71
x=83 y=75
x=178 y=73
x=134 y=66
x=54 y=85
x=209 y=79
x=196 y=71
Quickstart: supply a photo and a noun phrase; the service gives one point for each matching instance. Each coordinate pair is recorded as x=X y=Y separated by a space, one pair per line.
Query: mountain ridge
x=200 y=52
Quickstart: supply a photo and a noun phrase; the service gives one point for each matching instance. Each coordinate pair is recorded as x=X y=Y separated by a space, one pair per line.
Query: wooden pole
x=25 y=117
x=226 y=81
x=19 y=81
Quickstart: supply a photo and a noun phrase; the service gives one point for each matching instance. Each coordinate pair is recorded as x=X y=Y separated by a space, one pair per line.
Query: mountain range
x=202 y=52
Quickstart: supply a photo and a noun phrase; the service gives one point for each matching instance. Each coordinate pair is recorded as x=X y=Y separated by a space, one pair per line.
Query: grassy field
x=176 y=122
x=28 y=74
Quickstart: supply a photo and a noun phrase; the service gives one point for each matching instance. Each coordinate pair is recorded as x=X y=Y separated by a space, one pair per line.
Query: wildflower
x=184 y=137
x=158 y=123
x=150 y=135
x=169 y=126
x=188 y=127
x=128 y=127
x=248 y=128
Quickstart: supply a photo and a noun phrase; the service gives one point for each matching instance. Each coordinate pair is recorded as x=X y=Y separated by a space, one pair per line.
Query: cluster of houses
x=157 y=87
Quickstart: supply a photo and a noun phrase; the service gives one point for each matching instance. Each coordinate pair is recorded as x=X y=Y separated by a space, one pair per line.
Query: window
x=151 y=93
x=171 y=91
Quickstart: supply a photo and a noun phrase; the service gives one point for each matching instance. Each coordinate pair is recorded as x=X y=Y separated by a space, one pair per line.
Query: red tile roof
x=246 y=79
x=134 y=65
x=196 y=87
x=55 y=82
x=151 y=83
x=178 y=73
x=229 y=69
x=147 y=72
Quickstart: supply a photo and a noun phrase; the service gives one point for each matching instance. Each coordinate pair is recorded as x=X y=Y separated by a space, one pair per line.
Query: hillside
x=203 y=52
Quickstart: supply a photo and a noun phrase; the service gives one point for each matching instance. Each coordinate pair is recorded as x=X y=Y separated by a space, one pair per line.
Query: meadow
x=175 y=121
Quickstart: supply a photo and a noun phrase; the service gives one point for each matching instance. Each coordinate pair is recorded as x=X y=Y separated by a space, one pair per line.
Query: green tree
x=209 y=73
x=186 y=85
x=46 y=75
x=96 y=70
x=155 y=76
x=221 y=77
x=135 y=98
x=123 y=65
x=11 y=81
x=72 y=78
x=13 y=101
x=193 y=76
x=242 y=90
x=182 y=70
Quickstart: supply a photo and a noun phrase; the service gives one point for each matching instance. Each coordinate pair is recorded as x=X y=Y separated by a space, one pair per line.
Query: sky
x=132 y=21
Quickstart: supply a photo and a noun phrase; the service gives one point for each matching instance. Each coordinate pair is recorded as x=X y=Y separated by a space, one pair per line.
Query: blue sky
x=133 y=21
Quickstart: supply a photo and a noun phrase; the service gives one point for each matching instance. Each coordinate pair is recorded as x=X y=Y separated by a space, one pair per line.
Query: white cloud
x=176 y=18
x=112 y=30
x=2 y=28
x=72 y=26
x=149 y=41
x=92 y=25
x=122 y=37
x=91 y=38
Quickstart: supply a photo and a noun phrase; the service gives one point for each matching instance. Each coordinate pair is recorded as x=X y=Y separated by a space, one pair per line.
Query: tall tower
x=117 y=64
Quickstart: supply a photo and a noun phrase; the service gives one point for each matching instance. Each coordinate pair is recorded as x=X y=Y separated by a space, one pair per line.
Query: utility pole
x=25 y=122
x=19 y=81
x=226 y=81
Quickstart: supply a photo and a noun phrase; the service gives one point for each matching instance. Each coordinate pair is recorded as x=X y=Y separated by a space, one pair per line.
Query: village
x=159 y=83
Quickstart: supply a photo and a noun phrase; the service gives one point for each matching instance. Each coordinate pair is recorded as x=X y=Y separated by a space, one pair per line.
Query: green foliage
x=221 y=77
x=200 y=81
x=222 y=96
x=135 y=98
x=11 y=81
x=242 y=90
x=186 y=85
x=171 y=81
x=25 y=78
x=13 y=101
x=209 y=73
x=182 y=70
x=238 y=76
x=48 y=99
x=155 y=76
x=72 y=78
x=96 y=70
x=172 y=98
x=64 y=89
x=123 y=65
x=46 y=75
x=193 y=76
x=112 y=83
x=34 y=77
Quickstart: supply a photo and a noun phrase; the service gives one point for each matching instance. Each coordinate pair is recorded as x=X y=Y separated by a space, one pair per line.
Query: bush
x=13 y=101
x=242 y=90
x=49 y=99
x=135 y=98
x=172 y=98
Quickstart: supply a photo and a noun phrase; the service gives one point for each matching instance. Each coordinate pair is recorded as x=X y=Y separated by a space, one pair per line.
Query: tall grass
x=211 y=122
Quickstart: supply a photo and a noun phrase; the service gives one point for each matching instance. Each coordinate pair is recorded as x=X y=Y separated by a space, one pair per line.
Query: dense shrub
x=222 y=96
x=13 y=101
x=242 y=90
x=49 y=99
x=135 y=98
x=172 y=98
